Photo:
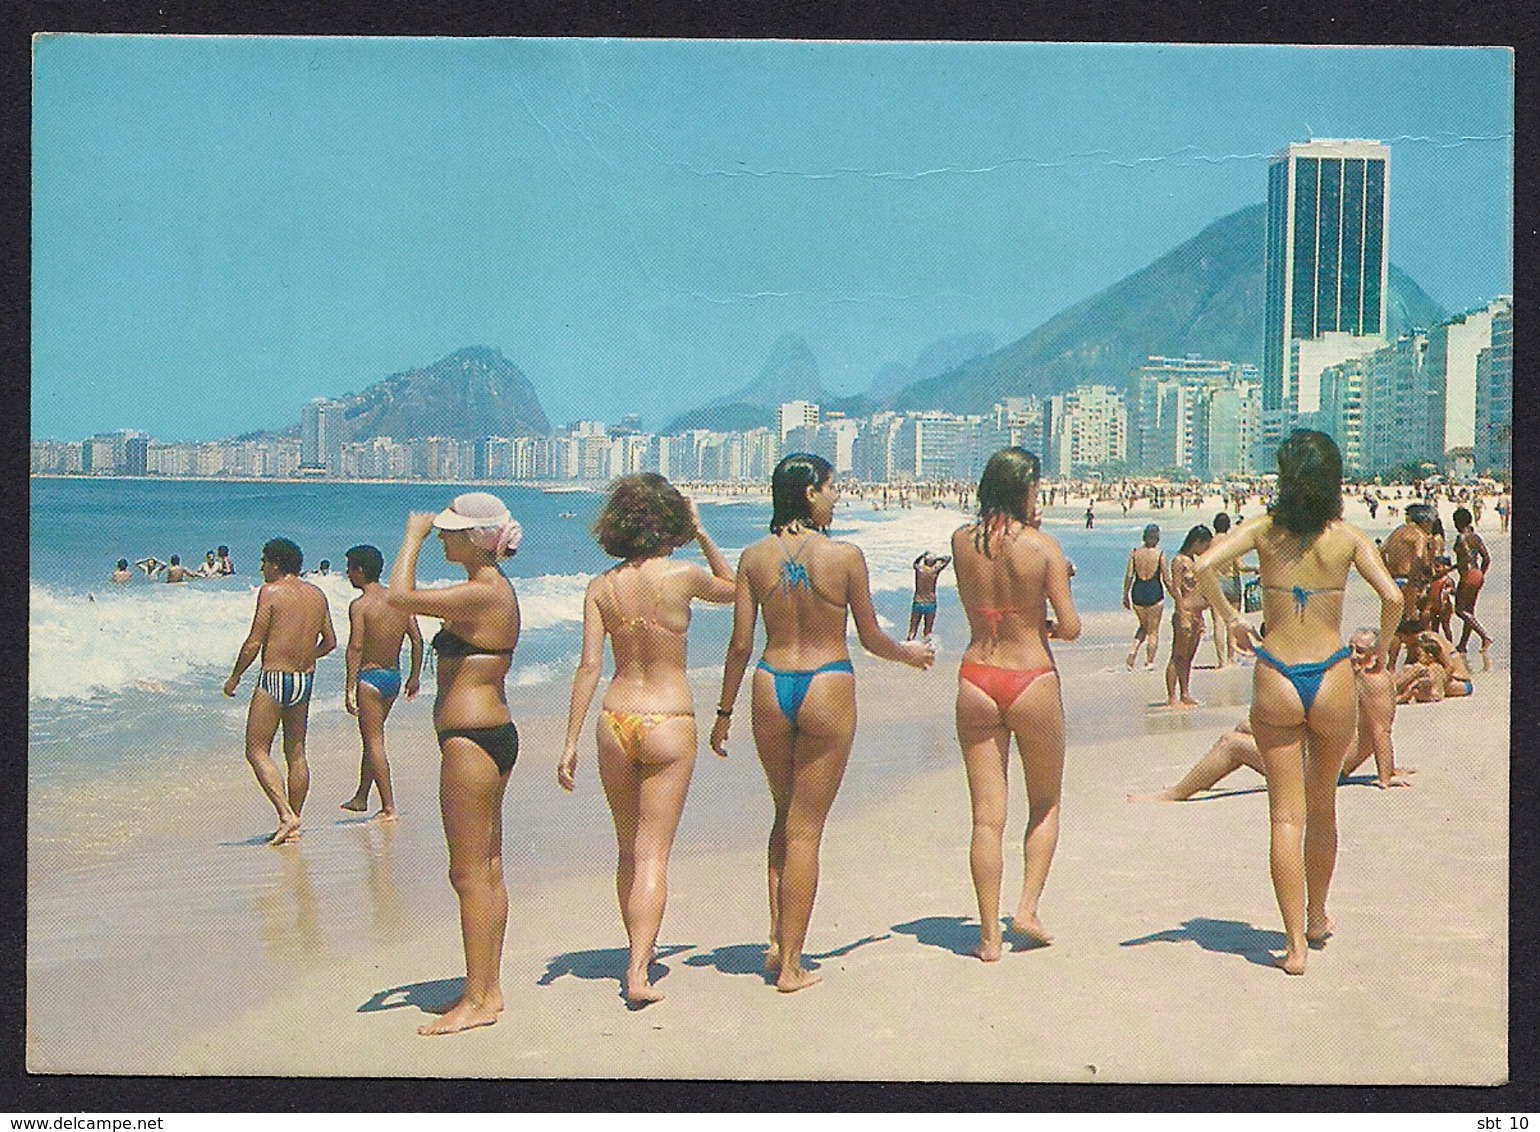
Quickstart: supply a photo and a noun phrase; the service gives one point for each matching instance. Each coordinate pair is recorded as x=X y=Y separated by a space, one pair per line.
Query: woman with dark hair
x=477 y=740
x=1145 y=582
x=1007 y=569
x=1471 y=562
x=1302 y=698
x=646 y=729
x=1187 y=618
x=805 y=585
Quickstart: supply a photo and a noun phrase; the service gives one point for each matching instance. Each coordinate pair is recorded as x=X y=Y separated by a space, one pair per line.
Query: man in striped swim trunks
x=291 y=630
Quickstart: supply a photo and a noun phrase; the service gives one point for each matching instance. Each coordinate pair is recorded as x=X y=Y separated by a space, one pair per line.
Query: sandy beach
x=1163 y=913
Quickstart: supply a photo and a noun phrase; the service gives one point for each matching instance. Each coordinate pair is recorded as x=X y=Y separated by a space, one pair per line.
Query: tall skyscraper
x=1326 y=270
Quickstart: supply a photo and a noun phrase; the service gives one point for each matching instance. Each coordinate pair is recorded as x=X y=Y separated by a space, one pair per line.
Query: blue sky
x=224 y=228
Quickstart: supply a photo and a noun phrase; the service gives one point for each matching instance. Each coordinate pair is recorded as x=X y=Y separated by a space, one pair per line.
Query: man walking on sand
x=1408 y=554
x=291 y=630
x=927 y=568
x=375 y=632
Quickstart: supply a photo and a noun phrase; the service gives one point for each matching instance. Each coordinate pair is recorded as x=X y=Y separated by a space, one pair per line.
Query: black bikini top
x=448 y=643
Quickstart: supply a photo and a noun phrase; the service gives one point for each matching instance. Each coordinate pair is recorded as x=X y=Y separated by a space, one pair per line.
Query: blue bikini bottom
x=791 y=687
x=1306 y=678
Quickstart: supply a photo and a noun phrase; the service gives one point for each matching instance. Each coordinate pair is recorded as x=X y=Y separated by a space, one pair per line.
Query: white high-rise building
x=1449 y=378
x=1494 y=397
x=794 y=414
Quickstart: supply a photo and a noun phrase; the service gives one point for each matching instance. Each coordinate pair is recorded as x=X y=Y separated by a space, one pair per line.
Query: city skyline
x=666 y=210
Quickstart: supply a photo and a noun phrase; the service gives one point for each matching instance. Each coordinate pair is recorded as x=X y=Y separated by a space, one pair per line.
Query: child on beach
x=804 y=699
x=375 y=632
x=646 y=734
x=291 y=630
x=1008 y=571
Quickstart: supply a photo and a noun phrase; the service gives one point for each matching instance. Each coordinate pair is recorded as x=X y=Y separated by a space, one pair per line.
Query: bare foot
x=1317 y=935
x=1130 y=661
x=1031 y=927
x=1188 y=701
x=640 y=992
x=1394 y=780
x=772 y=958
x=795 y=980
x=288 y=830
x=382 y=816
x=463 y=1015
x=1293 y=964
x=989 y=946
x=355 y=804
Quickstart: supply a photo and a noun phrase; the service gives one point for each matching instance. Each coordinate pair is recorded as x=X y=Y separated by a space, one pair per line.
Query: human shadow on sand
x=432 y=997
x=1229 y=937
x=749 y=958
x=960 y=936
x=606 y=963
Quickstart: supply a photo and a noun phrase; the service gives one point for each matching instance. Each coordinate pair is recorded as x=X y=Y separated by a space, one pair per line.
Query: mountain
x=1203 y=297
x=790 y=373
x=474 y=392
x=934 y=360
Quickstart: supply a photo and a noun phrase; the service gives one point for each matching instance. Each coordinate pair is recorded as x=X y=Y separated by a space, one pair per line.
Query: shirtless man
x=122 y=575
x=176 y=572
x=1408 y=556
x=1376 y=711
x=292 y=629
x=375 y=631
x=927 y=568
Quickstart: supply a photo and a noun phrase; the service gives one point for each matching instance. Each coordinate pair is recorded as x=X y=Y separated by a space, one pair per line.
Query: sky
x=226 y=228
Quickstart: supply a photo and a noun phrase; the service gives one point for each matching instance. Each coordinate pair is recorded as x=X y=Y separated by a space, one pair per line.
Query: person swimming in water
x=121 y=574
x=1008 y=571
x=804 y=702
x=1302 y=701
x=646 y=731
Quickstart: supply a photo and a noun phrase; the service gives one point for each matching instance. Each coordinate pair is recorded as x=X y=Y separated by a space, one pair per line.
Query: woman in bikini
x=1471 y=562
x=1303 y=706
x=1007 y=683
x=1145 y=583
x=804 y=702
x=1186 y=619
x=477 y=740
x=646 y=729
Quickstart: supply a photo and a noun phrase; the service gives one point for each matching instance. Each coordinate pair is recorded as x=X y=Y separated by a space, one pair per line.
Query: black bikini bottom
x=501 y=742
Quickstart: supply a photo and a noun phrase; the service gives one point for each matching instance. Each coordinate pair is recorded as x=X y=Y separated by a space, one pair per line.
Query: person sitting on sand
x=375 y=631
x=1146 y=579
x=1376 y=712
x=292 y=629
x=121 y=574
x=151 y=566
x=1434 y=671
x=927 y=568
x=646 y=731
x=176 y=572
x=1472 y=561
x=478 y=743
x=1187 y=619
x=804 y=690
x=1302 y=702
x=1008 y=684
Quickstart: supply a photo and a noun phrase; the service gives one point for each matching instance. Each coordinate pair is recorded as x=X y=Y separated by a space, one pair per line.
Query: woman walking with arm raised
x=477 y=740
x=804 y=702
x=1302 y=698
x=646 y=729
x=1007 y=570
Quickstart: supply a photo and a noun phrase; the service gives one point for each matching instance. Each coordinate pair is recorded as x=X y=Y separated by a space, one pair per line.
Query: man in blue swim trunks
x=375 y=631
x=927 y=568
x=291 y=630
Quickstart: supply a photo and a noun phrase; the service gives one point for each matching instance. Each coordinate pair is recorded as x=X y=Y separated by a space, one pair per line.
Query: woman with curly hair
x=1008 y=571
x=804 y=705
x=646 y=728
x=1303 y=707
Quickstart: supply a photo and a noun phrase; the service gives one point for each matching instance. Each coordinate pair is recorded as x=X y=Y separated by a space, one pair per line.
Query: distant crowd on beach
x=1320 y=708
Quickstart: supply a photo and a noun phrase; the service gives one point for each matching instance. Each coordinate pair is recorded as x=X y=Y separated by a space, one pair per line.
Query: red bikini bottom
x=1003 y=685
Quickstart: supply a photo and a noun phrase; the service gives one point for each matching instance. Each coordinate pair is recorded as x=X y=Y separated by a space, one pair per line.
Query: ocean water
x=143 y=662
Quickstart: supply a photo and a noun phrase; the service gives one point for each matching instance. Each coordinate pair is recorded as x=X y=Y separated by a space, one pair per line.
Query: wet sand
x=322 y=958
